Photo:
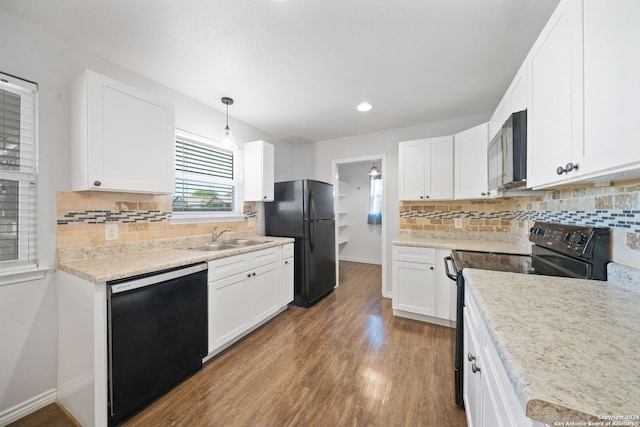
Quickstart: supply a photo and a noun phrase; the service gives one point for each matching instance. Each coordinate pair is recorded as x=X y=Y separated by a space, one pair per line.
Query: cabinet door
x=518 y=91
x=229 y=312
x=130 y=139
x=439 y=173
x=287 y=281
x=500 y=115
x=611 y=88
x=265 y=292
x=411 y=158
x=555 y=120
x=470 y=165
x=414 y=288
x=258 y=171
x=472 y=382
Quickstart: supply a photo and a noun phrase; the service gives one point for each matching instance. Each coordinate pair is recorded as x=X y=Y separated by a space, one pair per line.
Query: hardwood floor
x=344 y=362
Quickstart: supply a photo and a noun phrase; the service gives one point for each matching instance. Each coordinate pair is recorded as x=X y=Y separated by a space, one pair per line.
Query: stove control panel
x=573 y=240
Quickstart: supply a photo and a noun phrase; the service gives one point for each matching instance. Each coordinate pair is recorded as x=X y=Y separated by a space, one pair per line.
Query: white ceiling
x=297 y=68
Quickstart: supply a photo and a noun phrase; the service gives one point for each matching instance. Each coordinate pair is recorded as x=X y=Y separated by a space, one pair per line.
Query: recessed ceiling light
x=365 y=106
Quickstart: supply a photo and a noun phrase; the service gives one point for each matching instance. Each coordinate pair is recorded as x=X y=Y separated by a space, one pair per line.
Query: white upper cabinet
x=611 y=85
x=515 y=99
x=470 y=162
x=555 y=120
x=122 y=139
x=426 y=169
x=258 y=171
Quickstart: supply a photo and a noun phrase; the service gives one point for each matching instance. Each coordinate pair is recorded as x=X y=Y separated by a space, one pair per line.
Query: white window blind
x=18 y=171
x=205 y=177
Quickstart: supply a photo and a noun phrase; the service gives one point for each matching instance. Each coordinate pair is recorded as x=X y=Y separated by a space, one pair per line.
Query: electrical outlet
x=111 y=232
x=457 y=222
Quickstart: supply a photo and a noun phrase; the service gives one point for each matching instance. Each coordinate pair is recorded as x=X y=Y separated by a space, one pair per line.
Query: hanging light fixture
x=374 y=171
x=227 y=136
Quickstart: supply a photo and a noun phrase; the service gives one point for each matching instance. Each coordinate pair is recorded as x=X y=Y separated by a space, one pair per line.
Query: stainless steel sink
x=227 y=244
x=245 y=242
x=213 y=247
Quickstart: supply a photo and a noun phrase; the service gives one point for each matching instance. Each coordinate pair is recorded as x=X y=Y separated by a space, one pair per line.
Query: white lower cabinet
x=229 y=313
x=421 y=290
x=489 y=397
x=265 y=292
x=287 y=274
x=244 y=292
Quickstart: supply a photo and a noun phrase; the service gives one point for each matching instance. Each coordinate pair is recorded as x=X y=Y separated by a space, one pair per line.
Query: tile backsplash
x=616 y=207
x=82 y=217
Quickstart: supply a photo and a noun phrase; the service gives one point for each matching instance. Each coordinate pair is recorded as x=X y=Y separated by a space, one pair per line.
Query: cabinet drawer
x=225 y=267
x=287 y=250
x=414 y=254
x=265 y=256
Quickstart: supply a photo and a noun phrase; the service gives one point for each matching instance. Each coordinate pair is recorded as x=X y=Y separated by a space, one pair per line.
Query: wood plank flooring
x=344 y=362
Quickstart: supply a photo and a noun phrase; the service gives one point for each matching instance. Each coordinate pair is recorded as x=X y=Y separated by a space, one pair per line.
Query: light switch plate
x=457 y=222
x=111 y=232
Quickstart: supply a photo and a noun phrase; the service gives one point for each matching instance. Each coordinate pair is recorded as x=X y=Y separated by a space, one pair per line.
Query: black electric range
x=558 y=250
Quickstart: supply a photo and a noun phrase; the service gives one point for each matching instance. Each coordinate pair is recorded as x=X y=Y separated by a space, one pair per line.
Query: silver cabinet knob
x=568 y=168
x=421 y=197
x=97 y=183
x=470 y=357
x=475 y=368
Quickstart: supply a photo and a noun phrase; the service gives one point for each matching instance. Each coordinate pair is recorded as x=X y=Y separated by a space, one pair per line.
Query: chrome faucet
x=215 y=234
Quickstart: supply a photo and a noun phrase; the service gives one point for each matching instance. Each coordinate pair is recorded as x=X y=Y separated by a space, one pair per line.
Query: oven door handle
x=453 y=277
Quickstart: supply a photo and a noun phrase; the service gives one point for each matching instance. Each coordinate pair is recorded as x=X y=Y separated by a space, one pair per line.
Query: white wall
x=322 y=153
x=364 y=239
x=28 y=311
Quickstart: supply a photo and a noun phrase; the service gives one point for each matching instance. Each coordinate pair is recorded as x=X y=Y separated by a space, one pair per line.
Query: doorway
x=359 y=237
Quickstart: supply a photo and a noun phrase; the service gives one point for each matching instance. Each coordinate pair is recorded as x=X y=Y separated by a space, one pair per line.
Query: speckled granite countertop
x=569 y=346
x=473 y=245
x=103 y=269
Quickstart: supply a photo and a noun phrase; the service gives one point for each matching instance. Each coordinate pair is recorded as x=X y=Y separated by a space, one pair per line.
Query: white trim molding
x=25 y=408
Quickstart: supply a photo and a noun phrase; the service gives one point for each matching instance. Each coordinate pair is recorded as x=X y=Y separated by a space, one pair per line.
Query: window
x=375 y=200
x=18 y=171
x=207 y=184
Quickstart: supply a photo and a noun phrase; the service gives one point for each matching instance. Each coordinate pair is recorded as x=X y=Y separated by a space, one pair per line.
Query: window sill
x=9 y=276
x=191 y=218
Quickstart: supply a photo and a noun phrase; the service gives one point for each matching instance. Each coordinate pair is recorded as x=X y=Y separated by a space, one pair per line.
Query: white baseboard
x=25 y=408
x=362 y=260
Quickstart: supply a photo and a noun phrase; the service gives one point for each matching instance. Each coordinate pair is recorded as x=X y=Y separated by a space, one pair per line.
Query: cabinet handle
x=264 y=197
x=430 y=268
x=568 y=168
x=248 y=274
x=483 y=194
x=475 y=369
x=421 y=197
x=286 y=262
x=97 y=183
x=470 y=357
x=426 y=197
x=253 y=274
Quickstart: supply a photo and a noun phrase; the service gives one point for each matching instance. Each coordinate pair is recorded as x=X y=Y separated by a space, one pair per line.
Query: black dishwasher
x=157 y=335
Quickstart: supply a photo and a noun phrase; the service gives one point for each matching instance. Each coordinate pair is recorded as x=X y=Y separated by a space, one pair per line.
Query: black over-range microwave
x=507 y=154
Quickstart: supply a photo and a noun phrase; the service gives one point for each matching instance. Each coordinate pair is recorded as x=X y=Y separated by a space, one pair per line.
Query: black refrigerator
x=303 y=209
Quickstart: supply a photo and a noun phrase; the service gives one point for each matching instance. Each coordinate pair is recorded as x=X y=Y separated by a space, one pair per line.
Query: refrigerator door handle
x=312 y=207
x=312 y=232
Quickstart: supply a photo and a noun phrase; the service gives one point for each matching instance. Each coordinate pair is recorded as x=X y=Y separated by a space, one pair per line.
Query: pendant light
x=227 y=136
x=374 y=171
